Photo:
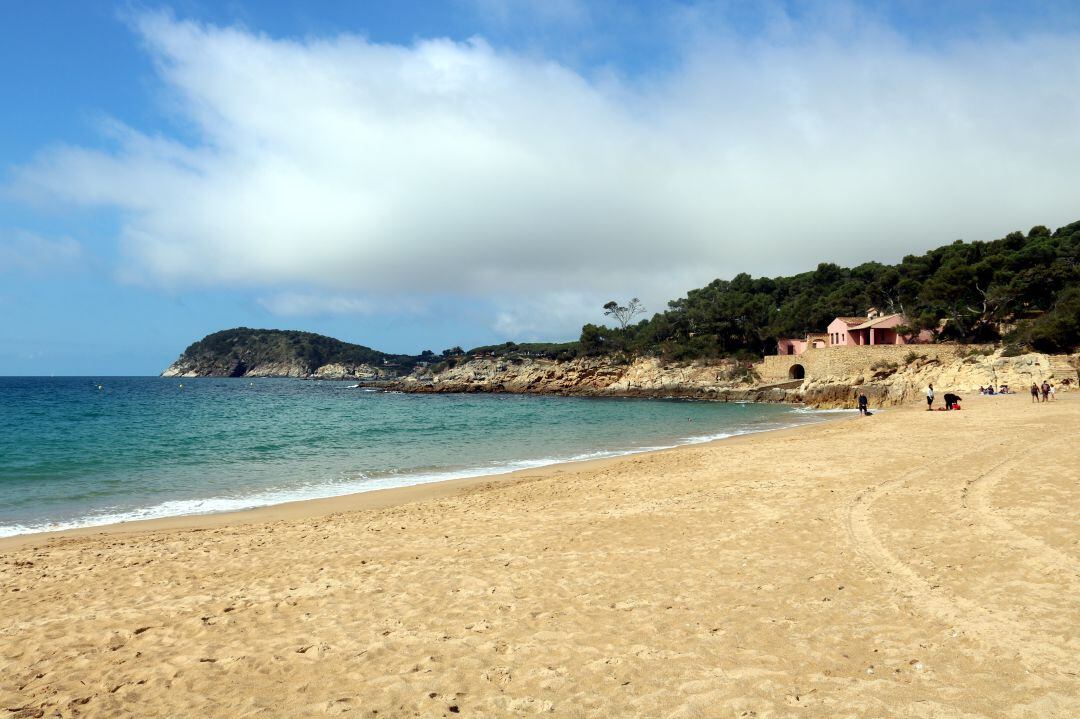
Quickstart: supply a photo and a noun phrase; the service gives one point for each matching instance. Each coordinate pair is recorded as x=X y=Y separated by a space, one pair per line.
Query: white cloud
x=26 y=252
x=443 y=167
x=547 y=315
x=301 y=304
x=315 y=303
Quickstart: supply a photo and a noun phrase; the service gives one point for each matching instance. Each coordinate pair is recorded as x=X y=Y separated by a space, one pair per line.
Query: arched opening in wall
x=797 y=371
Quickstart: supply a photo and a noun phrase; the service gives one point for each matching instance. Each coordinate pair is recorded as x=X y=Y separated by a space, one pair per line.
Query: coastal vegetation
x=234 y=351
x=1020 y=289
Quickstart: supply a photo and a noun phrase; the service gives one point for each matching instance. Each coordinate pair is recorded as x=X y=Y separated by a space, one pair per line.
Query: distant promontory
x=245 y=352
x=1016 y=295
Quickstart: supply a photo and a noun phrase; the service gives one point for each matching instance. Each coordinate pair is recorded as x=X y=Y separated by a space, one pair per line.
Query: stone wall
x=824 y=362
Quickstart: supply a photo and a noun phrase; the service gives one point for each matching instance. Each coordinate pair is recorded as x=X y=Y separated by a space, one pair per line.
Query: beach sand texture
x=904 y=565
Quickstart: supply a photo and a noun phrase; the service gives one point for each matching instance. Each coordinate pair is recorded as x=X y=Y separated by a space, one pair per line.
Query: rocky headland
x=888 y=380
x=885 y=383
x=244 y=352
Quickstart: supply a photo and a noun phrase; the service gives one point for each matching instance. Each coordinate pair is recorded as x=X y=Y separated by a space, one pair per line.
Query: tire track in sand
x=974 y=620
x=976 y=496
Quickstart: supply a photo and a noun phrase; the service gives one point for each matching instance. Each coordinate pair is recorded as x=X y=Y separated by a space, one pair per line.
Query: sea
x=88 y=451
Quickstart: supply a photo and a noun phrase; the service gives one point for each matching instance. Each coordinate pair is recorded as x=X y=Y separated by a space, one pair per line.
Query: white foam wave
x=814 y=410
x=359 y=484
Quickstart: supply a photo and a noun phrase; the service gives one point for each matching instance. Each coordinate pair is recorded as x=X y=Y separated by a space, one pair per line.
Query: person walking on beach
x=863 y=402
x=1045 y=390
x=1034 y=392
x=1053 y=392
x=930 y=398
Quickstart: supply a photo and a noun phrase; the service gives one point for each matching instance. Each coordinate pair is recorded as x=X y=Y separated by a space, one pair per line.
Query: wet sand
x=908 y=564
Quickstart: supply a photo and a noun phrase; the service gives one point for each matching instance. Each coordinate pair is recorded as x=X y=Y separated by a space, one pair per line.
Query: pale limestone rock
x=648 y=377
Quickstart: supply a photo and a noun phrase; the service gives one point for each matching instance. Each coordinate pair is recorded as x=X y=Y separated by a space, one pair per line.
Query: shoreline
x=907 y=564
x=373 y=498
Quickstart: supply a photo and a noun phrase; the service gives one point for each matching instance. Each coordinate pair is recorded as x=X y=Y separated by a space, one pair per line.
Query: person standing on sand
x=1034 y=392
x=930 y=398
x=863 y=402
x=1045 y=390
x=1053 y=392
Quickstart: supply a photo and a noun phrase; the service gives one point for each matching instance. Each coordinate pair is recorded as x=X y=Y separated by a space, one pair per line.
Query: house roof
x=849 y=321
x=868 y=323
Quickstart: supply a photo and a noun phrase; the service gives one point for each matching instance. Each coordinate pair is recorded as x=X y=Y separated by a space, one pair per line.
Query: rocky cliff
x=293 y=368
x=887 y=380
x=886 y=384
x=590 y=376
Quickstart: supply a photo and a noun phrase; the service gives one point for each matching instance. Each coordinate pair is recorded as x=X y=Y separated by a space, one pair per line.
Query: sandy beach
x=909 y=564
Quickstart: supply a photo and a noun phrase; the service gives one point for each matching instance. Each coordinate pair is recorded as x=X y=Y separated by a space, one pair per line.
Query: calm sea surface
x=81 y=451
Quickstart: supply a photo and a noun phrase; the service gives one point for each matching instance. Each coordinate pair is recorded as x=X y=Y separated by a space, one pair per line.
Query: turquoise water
x=84 y=451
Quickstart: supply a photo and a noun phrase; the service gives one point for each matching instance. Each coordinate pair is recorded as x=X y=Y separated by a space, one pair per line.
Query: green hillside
x=234 y=351
x=1021 y=289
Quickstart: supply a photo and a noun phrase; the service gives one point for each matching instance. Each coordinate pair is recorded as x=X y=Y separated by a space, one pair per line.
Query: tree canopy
x=1020 y=288
x=1023 y=289
x=229 y=348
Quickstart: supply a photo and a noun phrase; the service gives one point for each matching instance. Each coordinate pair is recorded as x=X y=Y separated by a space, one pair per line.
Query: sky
x=419 y=175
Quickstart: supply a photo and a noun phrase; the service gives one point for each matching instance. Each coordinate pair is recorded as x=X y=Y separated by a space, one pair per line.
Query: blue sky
x=416 y=175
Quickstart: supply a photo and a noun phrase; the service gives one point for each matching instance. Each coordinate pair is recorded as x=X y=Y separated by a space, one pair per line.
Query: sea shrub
x=740 y=372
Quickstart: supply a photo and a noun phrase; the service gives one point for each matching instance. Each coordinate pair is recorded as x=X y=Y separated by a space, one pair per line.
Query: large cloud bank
x=360 y=170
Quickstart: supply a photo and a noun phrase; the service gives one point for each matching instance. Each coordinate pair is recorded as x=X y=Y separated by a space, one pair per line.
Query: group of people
x=952 y=401
x=1043 y=393
x=1046 y=392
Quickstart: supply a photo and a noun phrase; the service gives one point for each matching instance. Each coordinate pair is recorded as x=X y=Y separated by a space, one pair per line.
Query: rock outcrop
x=885 y=384
x=888 y=378
x=187 y=368
x=589 y=376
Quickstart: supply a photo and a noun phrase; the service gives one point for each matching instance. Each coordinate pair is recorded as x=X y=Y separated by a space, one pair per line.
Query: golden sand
x=909 y=564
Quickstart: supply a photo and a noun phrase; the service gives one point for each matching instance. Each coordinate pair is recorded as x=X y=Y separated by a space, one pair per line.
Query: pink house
x=873 y=329
x=787 y=346
x=797 y=347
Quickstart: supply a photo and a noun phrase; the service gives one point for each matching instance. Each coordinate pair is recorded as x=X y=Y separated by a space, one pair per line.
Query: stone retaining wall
x=823 y=362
